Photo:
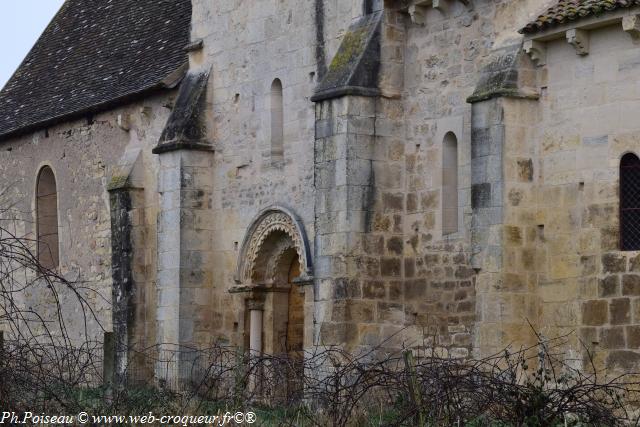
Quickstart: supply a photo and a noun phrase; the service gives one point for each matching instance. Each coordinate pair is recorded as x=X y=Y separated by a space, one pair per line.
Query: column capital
x=255 y=304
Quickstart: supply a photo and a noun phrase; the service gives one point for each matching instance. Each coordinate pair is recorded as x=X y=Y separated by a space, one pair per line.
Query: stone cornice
x=577 y=33
x=417 y=8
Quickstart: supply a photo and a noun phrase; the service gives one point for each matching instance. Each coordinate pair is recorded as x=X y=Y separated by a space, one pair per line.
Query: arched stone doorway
x=274 y=265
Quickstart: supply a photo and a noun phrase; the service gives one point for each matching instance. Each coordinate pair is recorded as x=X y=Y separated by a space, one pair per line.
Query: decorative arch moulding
x=271 y=220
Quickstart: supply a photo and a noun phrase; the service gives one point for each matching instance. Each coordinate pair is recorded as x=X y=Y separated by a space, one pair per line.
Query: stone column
x=256 y=317
x=256 y=311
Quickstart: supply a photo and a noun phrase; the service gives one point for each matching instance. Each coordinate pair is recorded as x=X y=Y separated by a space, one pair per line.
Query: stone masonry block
x=415 y=289
x=620 y=311
x=612 y=338
x=595 y=312
x=614 y=263
x=633 y=337
x=373 y=289
x=346 y=288
x=631 y=284
x=481 y=195
x=395 y=245
x=609 y=286
x=395 y=290
x=391 y=267
x=628 y=361
x=480 y=142
x=635 y=303
x=391 y=312
x=393 y=202
x=634 y=264
x=360 y=311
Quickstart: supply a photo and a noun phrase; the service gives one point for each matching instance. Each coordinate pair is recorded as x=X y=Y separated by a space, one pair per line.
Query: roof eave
x=171 y=81
x=588 y=23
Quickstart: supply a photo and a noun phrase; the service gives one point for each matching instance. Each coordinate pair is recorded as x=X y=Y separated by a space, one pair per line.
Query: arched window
x=449 y=184
x=630 y=202
x=277 y=123
x=47 y=218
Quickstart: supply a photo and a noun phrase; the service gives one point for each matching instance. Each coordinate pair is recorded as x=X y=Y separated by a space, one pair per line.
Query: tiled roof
x=93 y=55
x=570 y=10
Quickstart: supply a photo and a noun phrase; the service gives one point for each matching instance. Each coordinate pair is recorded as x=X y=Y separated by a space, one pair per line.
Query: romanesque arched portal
x=273 y=264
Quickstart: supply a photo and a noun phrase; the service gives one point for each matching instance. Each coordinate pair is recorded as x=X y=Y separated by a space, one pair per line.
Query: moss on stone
x=355 y=67
x=352 y=46
x=117 y=181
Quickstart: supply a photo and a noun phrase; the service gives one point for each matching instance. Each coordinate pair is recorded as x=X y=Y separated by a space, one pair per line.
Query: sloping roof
x=570 y=10
x=93 y=55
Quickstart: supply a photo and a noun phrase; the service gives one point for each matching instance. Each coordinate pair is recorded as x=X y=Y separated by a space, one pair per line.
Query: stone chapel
x=284 y=174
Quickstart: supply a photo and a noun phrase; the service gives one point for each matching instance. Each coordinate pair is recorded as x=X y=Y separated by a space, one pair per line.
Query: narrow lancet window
x=449 y=184
x=277 y=123
x=630 y=202
x=47 y=218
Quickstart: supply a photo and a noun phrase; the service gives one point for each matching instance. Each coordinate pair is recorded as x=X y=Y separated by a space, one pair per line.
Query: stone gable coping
x=355 y=68
x=500 y=78
x=185 y=128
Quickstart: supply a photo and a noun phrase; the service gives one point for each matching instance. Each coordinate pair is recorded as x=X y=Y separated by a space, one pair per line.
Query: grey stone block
x=481 y=195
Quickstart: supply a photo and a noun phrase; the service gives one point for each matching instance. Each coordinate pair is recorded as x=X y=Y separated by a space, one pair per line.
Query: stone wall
x=362 y=176
x=87 y=157
x=371 y=205
x=248 y=46
x=587 y=123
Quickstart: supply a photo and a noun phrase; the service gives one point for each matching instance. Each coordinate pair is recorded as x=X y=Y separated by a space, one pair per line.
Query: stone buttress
x=184 y=255
x=504 y=232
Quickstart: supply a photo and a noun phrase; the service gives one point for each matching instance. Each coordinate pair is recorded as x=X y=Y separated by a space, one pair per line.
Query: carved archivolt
x=280 y=259
x=258 y=246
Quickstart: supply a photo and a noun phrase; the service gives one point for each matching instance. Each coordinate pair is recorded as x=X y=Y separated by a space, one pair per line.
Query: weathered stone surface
x=481 y=195
x=595 y=313
x=390 y=267
x=609 y=286
x=634 y=264
x=633 y=337
x=347 y=289
x=620 y=311
x=187 y=126
x=612 y=338
x=355 y=67
x=631 y=284
x=625 y=360
x=525 y=170
x=415 y=289
x=373 y=289
x=537 y=197
x=614 y=263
